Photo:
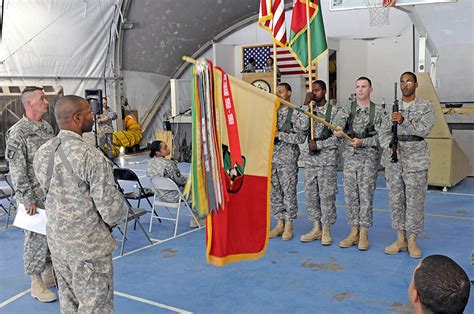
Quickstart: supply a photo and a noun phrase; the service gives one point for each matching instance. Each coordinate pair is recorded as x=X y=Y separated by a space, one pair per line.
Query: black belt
x=410 y=138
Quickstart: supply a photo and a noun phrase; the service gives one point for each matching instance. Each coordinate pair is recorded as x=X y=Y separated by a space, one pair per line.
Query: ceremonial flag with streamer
x=298 y=43
x=233 y=131
x=272 y=18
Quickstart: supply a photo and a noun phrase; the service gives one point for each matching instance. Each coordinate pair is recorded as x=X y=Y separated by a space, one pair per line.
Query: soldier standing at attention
x=82 y=204
x=320 y=174
x=407 y=179
x=284 y=206
x=361 y=162
x=22 y=141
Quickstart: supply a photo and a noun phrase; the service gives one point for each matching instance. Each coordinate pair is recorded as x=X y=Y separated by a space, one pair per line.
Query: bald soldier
x=82 y=204
x=22 y=141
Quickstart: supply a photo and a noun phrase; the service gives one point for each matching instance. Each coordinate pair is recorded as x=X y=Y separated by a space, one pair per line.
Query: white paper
x=35 y=223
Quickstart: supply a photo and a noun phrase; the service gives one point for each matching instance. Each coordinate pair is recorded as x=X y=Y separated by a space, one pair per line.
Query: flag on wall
x=286 y=62
x=238 y=227
x=272 y=18
x=298 y=43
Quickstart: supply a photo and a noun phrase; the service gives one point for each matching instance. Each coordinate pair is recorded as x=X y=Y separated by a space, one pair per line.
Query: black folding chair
x=124 y=174
x=8 y=195
x=133 y=213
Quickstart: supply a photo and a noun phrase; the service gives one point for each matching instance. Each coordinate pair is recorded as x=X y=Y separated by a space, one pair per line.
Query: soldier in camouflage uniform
x=82 y=204
x=284 y=179
x=22 y=141
x=407 y=179
x=104 y=127
x=320 y=175
x=159 y=166
x=361 y=163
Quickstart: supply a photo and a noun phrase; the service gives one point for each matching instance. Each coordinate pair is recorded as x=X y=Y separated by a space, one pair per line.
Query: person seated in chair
x=159 y=166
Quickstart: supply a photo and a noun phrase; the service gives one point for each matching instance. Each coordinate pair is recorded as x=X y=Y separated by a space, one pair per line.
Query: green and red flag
x=298 y=43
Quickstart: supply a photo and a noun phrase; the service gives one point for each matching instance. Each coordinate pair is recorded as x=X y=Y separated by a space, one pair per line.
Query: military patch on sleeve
x=11 y=151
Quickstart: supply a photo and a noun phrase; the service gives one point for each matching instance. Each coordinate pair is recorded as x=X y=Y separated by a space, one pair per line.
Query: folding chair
x=132 y=214
x=124 y=174
x=166 y=184
x=8 y=195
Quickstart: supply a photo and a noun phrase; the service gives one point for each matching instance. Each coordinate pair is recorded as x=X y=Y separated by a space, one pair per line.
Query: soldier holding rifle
x=407 y=176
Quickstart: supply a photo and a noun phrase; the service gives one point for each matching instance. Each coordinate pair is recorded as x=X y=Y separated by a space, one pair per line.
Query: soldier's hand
x=356 y=142
x=397 y=117
x=30 y=209
x=309 y=97
x=313 y=146
x=338 y=131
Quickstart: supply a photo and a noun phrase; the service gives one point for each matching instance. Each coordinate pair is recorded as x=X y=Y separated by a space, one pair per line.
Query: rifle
x=394 y=142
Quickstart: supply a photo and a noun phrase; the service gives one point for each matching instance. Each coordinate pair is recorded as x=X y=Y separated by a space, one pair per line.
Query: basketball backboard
x=343 y=5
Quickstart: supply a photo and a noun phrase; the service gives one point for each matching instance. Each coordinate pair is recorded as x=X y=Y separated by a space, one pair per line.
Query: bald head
x=67 y=106
x=73 y=113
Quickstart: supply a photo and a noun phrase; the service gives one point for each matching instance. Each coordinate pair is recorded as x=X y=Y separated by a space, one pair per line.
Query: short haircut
x=28 y=89
x=104 y=98
x=67 y=106
x=442 y=284
x=413 y=75
x=31 y=89
x=251 y=60
x=364 y=78
x=287 y=86
x=154 y=147
x=270 y=58
x=321 y=84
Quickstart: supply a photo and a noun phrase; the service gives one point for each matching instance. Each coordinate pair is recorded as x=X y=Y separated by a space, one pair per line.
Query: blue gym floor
x=292 y=277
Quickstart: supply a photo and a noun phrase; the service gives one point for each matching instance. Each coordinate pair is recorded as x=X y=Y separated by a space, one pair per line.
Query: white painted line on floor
x=452 y=193
x=160 y=241
x=160 y=305
x=429 y=191
x=15 y=297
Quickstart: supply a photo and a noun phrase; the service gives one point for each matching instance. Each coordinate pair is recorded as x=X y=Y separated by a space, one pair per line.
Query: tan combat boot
x=48 y=276
x=326 y=238
x=287 y=231
x=413 y=248
x=39 y=291
x=351 y=239
x=278 y=230
x=399 y=245
x=314 y=234
x=363 y=239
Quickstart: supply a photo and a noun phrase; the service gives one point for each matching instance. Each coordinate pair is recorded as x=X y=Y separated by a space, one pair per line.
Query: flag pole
x=310 y=67
x=274 y=68
x=286 y=103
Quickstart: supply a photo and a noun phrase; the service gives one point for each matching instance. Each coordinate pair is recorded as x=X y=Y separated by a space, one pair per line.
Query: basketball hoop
x=379 y=11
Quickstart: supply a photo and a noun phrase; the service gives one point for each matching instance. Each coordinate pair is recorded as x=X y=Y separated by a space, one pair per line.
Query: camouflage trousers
x=106 y=138
x=359 y=180
x=35 y=253
x=407 y=197
x=283 y=194
x=320 y=184
x=85 y=286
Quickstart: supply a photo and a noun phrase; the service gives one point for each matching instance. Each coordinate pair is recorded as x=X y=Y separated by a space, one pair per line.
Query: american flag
x=286 y=63
x=272 y=18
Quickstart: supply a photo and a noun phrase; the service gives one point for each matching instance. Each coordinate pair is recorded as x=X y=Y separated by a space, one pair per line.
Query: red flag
x=272 y=18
